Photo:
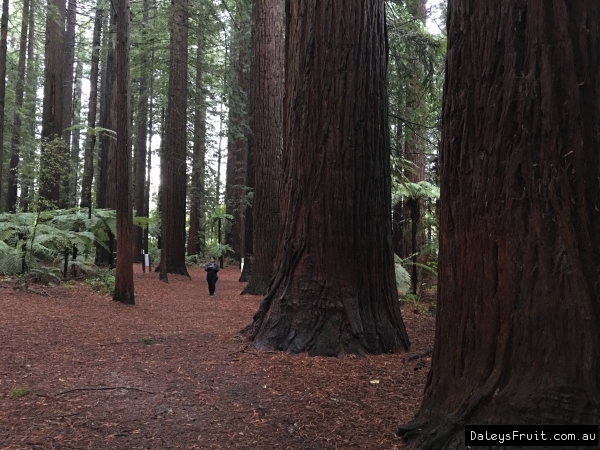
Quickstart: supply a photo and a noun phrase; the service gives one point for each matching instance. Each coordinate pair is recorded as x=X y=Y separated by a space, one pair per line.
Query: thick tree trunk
x=174 y=208
x=124 y=292
x=11 y=194
x=268 y=118
x=30 y=96
x=197 y=195
x=517 y=334
x=53 y=163
x=334 y=290
x=67 y=102
x=90 y=142
x=142 y=137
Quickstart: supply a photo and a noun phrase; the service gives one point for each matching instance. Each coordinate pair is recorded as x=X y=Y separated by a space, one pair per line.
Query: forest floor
x=172 y=372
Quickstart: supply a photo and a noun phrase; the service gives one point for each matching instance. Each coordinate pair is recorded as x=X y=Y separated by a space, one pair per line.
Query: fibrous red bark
x=334 y=290
x=517 y=334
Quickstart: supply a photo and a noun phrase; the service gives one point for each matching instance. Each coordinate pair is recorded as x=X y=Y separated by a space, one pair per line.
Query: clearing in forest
x=78 y=370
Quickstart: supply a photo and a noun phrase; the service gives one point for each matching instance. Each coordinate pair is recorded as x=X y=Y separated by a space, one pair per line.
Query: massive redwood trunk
x=52 y=159
x=334 y=290
x=268 y=117
x=518 y=331
x=174 y=207
x=124 y=292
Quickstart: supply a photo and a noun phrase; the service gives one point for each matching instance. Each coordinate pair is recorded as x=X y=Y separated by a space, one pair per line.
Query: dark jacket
x=211 y=270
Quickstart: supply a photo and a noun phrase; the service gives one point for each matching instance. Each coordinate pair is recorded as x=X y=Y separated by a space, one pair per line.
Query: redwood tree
x=268 y=117
x=124 y=292
x=334 y=290
x=197 y=200
x=173 y=229
x=52 y=158
x=142 y=135
x=517 y=335
x=15 y=142
x=88 y=158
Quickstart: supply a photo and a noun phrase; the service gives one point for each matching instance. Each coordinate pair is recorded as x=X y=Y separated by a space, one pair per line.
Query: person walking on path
x=211 y=275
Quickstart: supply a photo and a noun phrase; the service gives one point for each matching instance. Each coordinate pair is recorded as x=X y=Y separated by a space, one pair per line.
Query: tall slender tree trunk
x=248 y=214
x=414 y=153
x=53 y=163
x=334 y=290
x=76 y=134
x=11 y=194
x=31 y=98
x=105 y=181
x=517 y=334
x=142 y=137
x=3 y=45
x=124 y=292
x=237 y=146
x=90 y=142
x=173 y=235
x=268 y=123
x=67 y=102
x=197 y=194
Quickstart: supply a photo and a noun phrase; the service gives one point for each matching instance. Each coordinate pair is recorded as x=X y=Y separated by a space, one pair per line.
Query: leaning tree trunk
x=52 y=159
x=268 y=118
x=15 y=144
x=334 y=290
x=124 y=292
x=90 y=142
x=517 y=334
x=174 y=207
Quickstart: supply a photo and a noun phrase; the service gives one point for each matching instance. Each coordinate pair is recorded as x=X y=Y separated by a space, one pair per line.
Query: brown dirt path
x=197 y=384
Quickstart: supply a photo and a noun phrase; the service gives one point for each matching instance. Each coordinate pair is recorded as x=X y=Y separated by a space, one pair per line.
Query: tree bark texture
x=268 y=123
x=197 y=194
x=124 y=291
x=334 y=291
x=15 y=144
x=174 y=208
x=142 y=138
x=517 y=334
x=67 y=102
x=90 y=142
x=52 y=159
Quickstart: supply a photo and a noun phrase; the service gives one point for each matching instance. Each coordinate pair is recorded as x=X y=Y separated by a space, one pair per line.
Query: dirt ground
x=172 y=372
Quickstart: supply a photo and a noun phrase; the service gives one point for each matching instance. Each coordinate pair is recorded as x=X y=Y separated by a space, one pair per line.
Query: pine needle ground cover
x=172 y=372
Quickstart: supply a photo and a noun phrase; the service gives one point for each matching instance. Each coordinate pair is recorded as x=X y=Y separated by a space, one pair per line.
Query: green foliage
x=403 y=281
x=218 y=250
x=147 y=341
x=102 y=281
x=19 y=392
